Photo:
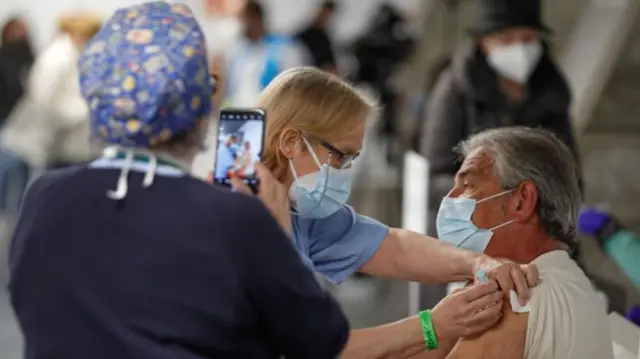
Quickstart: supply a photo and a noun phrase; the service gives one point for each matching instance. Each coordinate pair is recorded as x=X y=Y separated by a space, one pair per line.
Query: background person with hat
x=164 y=265
x=505 y=77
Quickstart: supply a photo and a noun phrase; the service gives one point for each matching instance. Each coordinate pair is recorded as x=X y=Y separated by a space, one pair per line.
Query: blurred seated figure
x=516 y=196
x=619 y=243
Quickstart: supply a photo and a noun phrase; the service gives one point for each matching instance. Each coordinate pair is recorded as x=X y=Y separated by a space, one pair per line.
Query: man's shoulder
x=565 y=308
x=560 y=274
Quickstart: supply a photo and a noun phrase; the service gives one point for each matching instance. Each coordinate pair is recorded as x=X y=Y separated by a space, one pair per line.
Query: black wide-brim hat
x=496 y=15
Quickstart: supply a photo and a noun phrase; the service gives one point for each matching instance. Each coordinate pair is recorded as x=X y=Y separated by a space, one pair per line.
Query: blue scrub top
x=339 y=245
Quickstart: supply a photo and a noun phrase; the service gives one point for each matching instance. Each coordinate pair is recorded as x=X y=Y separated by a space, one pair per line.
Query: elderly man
x=523 y=183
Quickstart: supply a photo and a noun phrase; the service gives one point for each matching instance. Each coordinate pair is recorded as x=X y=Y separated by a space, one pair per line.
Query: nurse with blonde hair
x=315 y=130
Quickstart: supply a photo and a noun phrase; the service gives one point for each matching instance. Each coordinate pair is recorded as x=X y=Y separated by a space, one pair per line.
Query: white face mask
x=517 y=61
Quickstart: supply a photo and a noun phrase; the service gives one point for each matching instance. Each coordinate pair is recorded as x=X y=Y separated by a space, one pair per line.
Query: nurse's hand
x=467 y=311
x=271 y=192
x=508 y=275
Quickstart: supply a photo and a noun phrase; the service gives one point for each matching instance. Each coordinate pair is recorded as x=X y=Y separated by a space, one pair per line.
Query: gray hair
x=524 y=154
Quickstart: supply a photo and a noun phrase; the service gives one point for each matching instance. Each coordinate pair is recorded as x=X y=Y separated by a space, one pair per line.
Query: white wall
x=284 y=15
x=253 y=132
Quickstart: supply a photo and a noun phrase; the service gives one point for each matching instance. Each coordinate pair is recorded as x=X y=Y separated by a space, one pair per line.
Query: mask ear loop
x=501 y=225
x=496 y=195
x=320 y=166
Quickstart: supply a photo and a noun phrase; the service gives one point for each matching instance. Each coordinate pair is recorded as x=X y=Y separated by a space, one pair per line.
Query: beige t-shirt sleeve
x=567 y=319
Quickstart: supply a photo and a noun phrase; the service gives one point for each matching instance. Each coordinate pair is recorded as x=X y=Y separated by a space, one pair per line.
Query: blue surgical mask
x=322 y=193
x=454 y=224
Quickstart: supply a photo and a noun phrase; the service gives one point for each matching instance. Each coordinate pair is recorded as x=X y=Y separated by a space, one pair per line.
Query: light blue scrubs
x=339 y=245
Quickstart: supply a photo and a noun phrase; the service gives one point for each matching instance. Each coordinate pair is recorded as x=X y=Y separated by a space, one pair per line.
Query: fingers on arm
x=485 y=310
x=511 y=276
x=486 y=301
x=478 y=291
x=520 y=283
x=532 y=274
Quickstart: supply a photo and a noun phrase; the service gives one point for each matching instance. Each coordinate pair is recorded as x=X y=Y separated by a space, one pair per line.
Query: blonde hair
x=313 y=102
x=83 y=25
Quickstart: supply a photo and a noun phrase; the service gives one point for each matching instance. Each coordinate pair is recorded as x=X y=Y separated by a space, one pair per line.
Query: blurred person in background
x=505 y=77
x=384 y=45
x=257 y=58
x=16 y=58
x=164 y=265
x=316 y=38
x=315 y=131
x=523 y=182
x=49 y=127
x=54 y=89
x=420 y=101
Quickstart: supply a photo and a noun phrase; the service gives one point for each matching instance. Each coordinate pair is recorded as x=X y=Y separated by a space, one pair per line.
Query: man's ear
x=526 y=200
x=289 y=143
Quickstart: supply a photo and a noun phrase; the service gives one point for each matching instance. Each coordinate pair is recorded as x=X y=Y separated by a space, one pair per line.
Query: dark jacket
x=15 y=60
x=179 y=270
x=317 y=42
x=467 y=99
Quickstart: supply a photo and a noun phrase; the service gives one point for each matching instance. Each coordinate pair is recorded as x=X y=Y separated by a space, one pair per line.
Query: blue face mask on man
x=322 y=193
x=454 y=224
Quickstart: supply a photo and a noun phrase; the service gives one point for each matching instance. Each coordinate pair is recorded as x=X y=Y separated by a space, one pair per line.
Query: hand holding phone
x=240 y=146
x=271 y=192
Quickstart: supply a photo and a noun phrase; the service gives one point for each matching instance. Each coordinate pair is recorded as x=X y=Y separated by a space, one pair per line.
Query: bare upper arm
x=506 y=340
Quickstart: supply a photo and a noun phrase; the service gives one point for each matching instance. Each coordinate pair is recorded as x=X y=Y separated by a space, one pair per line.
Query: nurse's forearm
x=384 y=341
x=411 y=256
x=420 y=352
x=399 y=340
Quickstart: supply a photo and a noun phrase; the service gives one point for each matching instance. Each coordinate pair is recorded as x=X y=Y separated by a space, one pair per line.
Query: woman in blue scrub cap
x=315 y=130
x=130 y=256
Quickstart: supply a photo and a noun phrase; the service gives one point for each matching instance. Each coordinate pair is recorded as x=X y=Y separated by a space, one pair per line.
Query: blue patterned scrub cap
x=145 y=75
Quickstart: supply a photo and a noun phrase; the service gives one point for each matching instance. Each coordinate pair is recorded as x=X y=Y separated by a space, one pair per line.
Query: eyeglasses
x=343 y=160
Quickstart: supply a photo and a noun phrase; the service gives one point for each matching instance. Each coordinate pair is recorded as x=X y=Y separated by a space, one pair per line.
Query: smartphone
x=239 y=146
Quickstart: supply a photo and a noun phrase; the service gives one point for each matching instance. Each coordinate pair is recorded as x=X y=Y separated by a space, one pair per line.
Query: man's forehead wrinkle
x=478 y=161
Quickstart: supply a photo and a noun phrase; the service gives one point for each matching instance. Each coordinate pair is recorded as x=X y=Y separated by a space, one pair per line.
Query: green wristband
x=428 y=332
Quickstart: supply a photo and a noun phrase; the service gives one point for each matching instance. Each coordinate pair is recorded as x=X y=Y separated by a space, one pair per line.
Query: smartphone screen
x=240 y=145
